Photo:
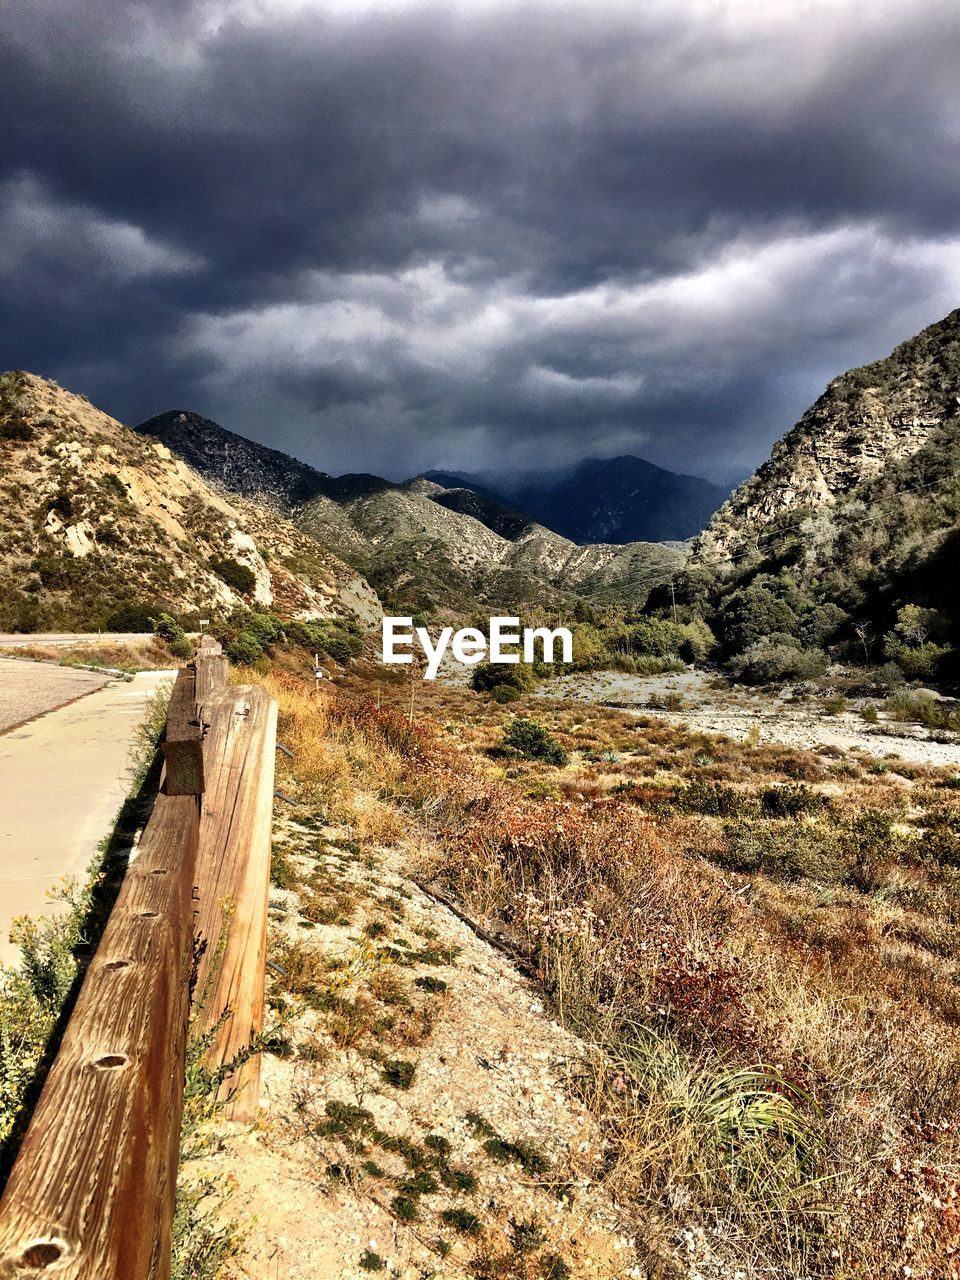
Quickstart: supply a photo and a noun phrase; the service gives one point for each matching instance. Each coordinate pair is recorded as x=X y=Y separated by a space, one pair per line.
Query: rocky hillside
x=848 y=537
x=867 y=421
x=421 y=545
x=95 y=516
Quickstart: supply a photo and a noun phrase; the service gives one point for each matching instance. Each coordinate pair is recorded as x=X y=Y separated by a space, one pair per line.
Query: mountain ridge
x=868 y=417
x=619 y=500
x=421 y=546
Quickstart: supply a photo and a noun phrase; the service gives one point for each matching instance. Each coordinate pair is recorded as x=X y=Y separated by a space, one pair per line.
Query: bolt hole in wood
x=110 y=1061
x=40 y=1255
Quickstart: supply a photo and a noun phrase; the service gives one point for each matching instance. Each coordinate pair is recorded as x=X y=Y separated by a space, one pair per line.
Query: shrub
x=534 y=742
x=504 y=693
x=16 y=430
x=113 y=482
x=58 y=572
x=239 y=577
x=338 y=648
x=339 y=638
x=62 y=504
x=766 y=662
x=662 y=638
x=711 y=798
x=941 y=839
x=791 y=801
x=265 y=626
x=868 y=842
x=168 y=628
x=488 y=676
x=181 y=647
x=923 y=708
x=399 y=1073
x=312 y=635
x=244 y=649
x=589 y=648
x=650 y=666
x=753 y=613
x=698 y=641
x=132 y=617
x=917 y=661
x=655 y=637
x=891 y=675
x=785 y=851
x=821 y=624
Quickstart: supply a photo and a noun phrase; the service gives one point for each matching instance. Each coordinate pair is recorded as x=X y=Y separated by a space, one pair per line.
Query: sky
x=483 y=234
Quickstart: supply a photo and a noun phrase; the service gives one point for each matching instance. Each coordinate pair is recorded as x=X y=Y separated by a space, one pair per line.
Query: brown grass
x=150 y=654
x=777 y=1049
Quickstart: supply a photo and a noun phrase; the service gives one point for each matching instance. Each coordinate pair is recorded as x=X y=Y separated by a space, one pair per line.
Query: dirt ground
x=318 y=1201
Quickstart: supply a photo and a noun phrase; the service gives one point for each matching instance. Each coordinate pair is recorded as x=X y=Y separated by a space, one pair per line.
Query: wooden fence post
x=233 y=880
x=182 y=747
x=91 y=1195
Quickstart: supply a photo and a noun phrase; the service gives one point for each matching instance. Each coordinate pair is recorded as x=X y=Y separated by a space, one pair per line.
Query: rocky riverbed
x=703 y=702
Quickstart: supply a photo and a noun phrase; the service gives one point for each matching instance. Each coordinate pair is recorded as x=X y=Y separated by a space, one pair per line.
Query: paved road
x=28 y=689
x=63 y=778
x=60 y=639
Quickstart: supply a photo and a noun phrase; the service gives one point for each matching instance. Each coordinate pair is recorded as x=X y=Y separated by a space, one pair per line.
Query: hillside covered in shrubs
x=846 y=542
x=99 y=525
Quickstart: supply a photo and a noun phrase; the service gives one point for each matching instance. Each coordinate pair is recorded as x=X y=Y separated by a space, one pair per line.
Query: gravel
x=741 y=713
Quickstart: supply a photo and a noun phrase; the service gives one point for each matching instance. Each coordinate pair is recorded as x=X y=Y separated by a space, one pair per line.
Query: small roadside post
x=318 y=673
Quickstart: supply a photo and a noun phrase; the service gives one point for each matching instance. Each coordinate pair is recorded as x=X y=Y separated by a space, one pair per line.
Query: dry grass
x=150 y=654
x=774 y=1001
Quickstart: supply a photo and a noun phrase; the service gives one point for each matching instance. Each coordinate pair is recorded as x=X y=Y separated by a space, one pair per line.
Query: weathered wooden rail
x=91 y=1195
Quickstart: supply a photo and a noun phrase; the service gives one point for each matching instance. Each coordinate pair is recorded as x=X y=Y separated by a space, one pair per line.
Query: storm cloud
x=399 y=235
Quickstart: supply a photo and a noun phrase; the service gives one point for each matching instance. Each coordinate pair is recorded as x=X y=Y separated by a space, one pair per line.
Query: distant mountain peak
x=616 y=500
x=239 y=465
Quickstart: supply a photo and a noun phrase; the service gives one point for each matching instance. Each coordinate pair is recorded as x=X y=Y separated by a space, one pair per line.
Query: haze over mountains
x=610 y=500
x=622 y=499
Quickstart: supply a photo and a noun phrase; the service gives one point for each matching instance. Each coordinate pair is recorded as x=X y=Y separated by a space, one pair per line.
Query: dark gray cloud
x=499 y=233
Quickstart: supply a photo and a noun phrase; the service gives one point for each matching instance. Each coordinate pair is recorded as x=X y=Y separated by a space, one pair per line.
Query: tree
x=752 y=613
x=236 y=575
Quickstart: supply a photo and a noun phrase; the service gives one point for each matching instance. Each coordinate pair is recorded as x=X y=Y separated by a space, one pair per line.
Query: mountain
x=617 y=500
x=266 y=476
x=866 y=420
x=421 y=545
x=858 y=506
x=463 y=480
x=622 y=499
x=96 y=516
